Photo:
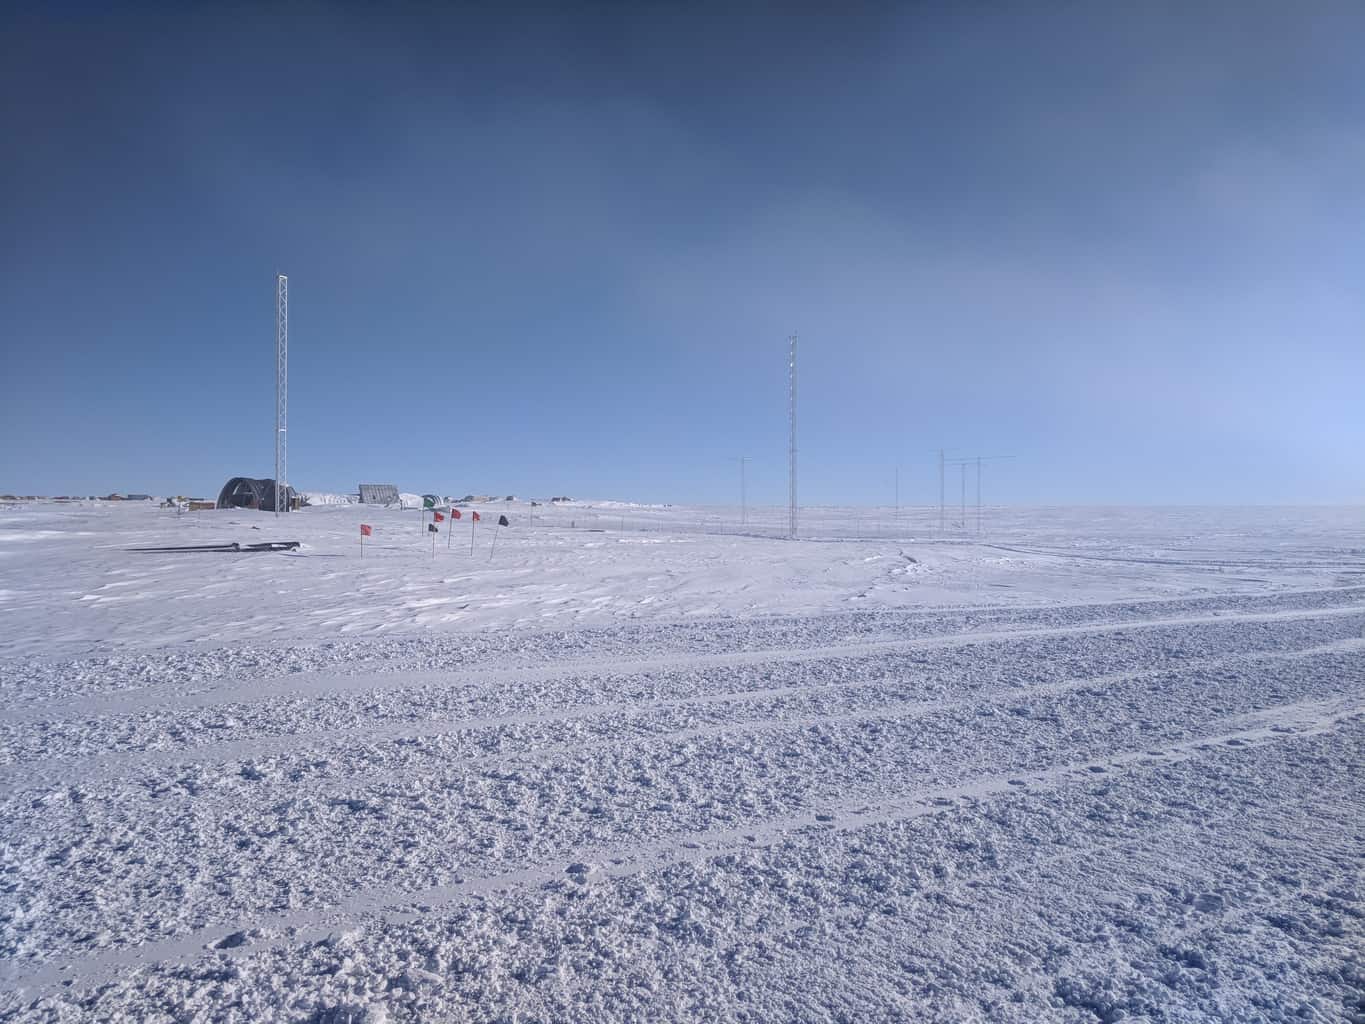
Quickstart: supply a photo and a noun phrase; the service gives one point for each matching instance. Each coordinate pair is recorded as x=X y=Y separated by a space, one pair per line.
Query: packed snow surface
x=649 y=763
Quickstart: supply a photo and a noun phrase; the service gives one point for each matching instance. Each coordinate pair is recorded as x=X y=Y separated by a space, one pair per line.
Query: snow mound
x=324 y=498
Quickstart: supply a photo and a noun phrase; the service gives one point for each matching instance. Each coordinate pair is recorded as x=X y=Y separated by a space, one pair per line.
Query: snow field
x=1142 y=807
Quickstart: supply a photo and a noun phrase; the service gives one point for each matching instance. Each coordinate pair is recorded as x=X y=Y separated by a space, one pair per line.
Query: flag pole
x=494 y=546
x=450 y=530
x=472 y=521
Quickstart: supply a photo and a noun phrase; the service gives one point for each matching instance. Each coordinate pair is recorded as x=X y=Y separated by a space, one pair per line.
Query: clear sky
x=546 y=253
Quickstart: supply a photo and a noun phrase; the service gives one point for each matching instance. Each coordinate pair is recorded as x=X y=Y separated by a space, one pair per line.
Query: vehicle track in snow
x=91 y=768
x=826 y=756
x=182 y=674
x=482 y=814
x=276 y=713
x=389 y=908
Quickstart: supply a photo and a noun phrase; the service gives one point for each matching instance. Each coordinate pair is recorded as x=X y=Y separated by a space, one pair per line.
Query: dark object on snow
x=244 y=492
x=271 y=545
x=234 y=546
x=378 y=494
x=432 y=528
x=502 y=521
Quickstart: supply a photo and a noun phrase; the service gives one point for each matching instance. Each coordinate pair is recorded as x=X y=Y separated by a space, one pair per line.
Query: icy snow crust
x=1070 y=770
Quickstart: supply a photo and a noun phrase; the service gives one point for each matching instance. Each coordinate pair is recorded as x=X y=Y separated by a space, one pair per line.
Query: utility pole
x=942 y=518
x=978 y=494
x=281 y=393
x=977 y=461
x=743 y=492
x=962 y=475
x=791 y=444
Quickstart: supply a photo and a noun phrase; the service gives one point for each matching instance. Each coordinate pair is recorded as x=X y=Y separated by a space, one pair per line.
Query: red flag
x=438 y=517
x=366 y=530
x=475 y=515
x=454 y=513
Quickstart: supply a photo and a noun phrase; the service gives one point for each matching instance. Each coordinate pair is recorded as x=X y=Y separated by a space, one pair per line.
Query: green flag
x=428 y=501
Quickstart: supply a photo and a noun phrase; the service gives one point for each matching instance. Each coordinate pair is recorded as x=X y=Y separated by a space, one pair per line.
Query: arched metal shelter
x=244 y=492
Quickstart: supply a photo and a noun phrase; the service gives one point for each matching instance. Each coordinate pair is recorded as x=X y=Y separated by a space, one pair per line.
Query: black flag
x=502 y=521
x=431 y=528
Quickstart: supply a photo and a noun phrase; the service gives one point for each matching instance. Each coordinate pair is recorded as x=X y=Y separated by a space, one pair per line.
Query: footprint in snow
x=580 y=872
x=231 y=941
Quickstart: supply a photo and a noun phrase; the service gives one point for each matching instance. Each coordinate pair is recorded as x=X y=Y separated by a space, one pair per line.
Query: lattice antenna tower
x=975 y=460
x=281 y=393
x=791 y=443
x=743 y=490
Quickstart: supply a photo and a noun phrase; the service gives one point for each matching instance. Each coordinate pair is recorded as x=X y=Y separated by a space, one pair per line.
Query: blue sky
x=545 y=253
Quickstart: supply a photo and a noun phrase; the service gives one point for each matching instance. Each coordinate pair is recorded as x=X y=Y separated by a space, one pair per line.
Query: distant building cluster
x=77 y=497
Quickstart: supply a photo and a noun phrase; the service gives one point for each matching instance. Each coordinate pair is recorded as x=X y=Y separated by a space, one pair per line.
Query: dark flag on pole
x=502 y=521
x=431 y=528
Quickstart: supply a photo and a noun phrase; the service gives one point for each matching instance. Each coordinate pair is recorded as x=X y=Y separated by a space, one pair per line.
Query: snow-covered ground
x=643 y=763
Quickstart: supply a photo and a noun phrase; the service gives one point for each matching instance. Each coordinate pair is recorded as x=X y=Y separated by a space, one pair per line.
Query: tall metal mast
x=791 y=446
x=281 y=393
x=940 y=492
x=743 y=491
x=974 y=460
x=962 y=473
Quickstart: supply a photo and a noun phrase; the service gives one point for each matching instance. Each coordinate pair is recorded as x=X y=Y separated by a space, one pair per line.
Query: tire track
x=42 y=773
x=981 y=886
x=394 y=907
x=1193 y=563
x=306 y=684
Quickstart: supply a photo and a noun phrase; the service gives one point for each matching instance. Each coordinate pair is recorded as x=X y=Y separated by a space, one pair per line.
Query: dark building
x=244 y=492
